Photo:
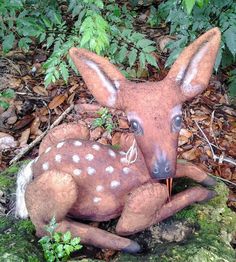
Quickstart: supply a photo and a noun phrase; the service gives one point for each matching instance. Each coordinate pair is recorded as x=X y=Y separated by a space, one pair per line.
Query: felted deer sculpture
x=77 y=179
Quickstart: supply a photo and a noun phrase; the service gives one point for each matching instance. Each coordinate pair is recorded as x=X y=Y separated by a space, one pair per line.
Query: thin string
x=132 y=153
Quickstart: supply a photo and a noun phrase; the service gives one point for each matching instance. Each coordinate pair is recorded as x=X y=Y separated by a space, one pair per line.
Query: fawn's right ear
x=193 y=68
x=101 y=77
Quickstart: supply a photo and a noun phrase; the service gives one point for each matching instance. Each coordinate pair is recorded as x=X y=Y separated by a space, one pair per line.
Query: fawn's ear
x=101 y=77
x=193 y=68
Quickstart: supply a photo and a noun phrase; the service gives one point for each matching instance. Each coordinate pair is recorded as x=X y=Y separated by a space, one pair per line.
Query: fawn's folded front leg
x=182 y=200
x=141 y=207
x=147 y=205
x=186 y=169
x=52 y=195
x=98 y=237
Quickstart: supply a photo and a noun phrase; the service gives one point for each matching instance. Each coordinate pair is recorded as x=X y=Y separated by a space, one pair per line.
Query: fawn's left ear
x=192 y=70
x=101 y=77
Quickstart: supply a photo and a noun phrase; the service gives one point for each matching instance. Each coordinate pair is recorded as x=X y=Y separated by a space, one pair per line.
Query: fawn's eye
x=136 y=128
x=176 y=123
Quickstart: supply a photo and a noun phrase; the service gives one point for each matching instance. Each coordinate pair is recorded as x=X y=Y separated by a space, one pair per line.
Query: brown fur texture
x=79 y=179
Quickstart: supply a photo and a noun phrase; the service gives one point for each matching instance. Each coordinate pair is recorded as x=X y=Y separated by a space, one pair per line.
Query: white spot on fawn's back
x=89 y=157
x=76 y=158
x=96 y=199
x=48 y=149
x=111 y=153
x=91 y=171
x=115 y=183
x=99 y=188
x=77 y=143
x=124 y=160
x=77 y=172
x=96 y=147
x=58 y=158
x=109 y=169
x=126 y=170
x=45 y=166
x=59 y=145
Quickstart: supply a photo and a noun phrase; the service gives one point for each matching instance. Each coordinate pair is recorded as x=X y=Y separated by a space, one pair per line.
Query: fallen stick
x=39 y=138
x=220 y=158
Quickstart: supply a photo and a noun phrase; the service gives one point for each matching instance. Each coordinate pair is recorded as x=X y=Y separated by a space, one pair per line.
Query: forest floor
x=34 y=108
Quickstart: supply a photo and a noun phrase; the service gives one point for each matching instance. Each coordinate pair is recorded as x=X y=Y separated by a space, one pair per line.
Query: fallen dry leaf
x=71 y=98
x=73 y=88
x=11 y=120
x=24 y=137
x=15 y=83
x=182 y=140
x=103 y=141
x=123 y=123
x=116 y=138
x=199 y=118
x=185 y=132
x=7 y=141
x=226 y=172
x=81 y=108
x=24 y=121
x=126 y=140
x=190 y=155
x=34 y=128
x=163 y=41
x=96 y=133
x=40 y=90
x=57 y=101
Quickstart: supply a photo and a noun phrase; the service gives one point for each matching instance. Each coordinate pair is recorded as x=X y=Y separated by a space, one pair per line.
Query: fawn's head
x=153 y=108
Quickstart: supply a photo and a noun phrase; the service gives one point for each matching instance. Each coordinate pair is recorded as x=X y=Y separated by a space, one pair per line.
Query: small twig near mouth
x=169 y=184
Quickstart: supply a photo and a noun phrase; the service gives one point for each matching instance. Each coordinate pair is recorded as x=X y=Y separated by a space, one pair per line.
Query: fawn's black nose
x=162 y=170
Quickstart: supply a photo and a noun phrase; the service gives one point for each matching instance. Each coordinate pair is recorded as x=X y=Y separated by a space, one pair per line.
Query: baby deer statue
x=79 y=179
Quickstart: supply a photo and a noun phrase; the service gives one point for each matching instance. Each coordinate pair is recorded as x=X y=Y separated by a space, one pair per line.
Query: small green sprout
x=5 y=96
x=104 y=120
x=58 y=246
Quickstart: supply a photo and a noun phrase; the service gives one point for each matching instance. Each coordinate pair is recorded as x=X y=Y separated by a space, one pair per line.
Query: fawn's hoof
x=133 y=248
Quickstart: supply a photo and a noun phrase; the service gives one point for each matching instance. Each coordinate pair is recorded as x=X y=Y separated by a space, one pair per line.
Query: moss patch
x=17 y=241
x=8 y=177
x=17 y=237
x=210 y=242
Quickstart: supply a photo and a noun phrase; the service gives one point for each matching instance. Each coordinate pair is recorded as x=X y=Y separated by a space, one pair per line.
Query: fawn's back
x=102 y=175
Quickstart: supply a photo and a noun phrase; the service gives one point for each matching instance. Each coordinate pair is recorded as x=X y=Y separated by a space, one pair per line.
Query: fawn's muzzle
x=162 y=170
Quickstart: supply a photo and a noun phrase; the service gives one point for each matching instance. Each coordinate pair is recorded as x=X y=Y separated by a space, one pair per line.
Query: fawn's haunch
x=73 y=178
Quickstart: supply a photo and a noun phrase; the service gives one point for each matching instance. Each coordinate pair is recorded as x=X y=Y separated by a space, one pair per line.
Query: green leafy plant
x=58 y=246
x=104 y=120
x=232 y=83
x=127 y=45
x=22 y=21
x=106 y=29
x=5 y=96
x=204 y=15
x=189 y=4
